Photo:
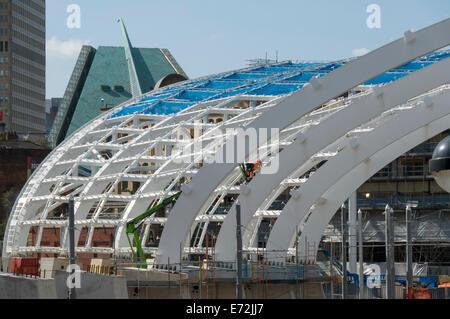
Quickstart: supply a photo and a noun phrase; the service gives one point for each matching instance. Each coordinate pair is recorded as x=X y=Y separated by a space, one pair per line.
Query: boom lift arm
x=133 y=225
x=244 y=175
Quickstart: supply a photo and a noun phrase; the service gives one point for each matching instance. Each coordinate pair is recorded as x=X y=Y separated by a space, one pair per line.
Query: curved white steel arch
x=352 y=167
x=23 y=206
x=136 y=207
x=320 y=91
x=317 y=138
x=175 y=121
x=14 y=232
x=52 y=165
x=89 y=154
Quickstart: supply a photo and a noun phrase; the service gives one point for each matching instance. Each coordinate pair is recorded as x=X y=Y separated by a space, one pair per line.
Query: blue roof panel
x=195 y=96
x=220 y=85
x=245 y=76
x=303 y=77
x=271 y=80
x=276 y=89
x=167 y=107
x=386 y=78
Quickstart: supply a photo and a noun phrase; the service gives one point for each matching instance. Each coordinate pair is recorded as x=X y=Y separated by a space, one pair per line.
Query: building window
x=3 y=46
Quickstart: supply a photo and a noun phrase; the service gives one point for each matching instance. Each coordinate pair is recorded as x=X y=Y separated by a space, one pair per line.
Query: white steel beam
x=288 y=111
x=343 y=174
x=319 y=137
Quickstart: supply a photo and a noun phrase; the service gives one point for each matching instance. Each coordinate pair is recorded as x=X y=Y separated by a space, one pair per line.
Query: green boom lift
x=244 y=174
x=133 y=225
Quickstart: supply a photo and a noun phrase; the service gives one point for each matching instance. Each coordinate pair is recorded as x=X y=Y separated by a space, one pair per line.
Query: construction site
x=343 y=195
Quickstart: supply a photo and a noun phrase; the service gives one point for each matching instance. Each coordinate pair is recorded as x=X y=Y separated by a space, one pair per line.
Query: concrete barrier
x=18 y=287
x=93 y=286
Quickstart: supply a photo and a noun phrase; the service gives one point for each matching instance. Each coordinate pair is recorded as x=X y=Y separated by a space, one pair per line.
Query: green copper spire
x=136 y=89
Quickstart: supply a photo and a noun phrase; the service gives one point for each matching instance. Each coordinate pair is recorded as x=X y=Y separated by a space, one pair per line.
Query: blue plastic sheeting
x=166 y=107
x=329 y=67
x=195 y=96
x=220 y=85
x=303 y=77
x=235 y=92
x=128 y=110
x=272 y=80
x=302 y=64
x=276 y=89
x=275 y=69
x=412 y=66
x=386 y=78
x=245 y=76
x=429 y=282
x=158 y=97
x=170 y=92
x=438 y=55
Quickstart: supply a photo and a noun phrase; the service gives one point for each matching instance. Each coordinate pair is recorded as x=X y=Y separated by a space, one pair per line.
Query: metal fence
x=440 y=293
x=334 y=291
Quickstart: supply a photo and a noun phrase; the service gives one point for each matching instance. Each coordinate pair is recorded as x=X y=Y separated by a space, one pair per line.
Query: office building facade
x=22 y=66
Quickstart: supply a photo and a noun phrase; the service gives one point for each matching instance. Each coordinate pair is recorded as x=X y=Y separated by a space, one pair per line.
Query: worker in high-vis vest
x=252 y=168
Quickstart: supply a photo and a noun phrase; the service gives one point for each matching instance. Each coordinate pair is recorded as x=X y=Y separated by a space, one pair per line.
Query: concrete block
x=50 y=265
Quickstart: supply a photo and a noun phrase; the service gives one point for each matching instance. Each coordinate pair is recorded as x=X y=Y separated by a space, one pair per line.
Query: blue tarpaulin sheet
x=272 y=80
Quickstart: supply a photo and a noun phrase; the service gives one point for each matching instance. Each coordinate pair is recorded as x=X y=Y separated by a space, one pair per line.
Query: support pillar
x=360 y=253
x=409 y=270
x=72 y=260
x=344 y=251
x=239 y=252
x=352 y=224
x=390 y=270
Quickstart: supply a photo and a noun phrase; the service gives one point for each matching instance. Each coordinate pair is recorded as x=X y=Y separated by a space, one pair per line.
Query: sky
x=211 y=36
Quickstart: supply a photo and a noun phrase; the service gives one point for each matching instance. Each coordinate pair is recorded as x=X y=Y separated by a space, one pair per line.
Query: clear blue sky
x=209 y=36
